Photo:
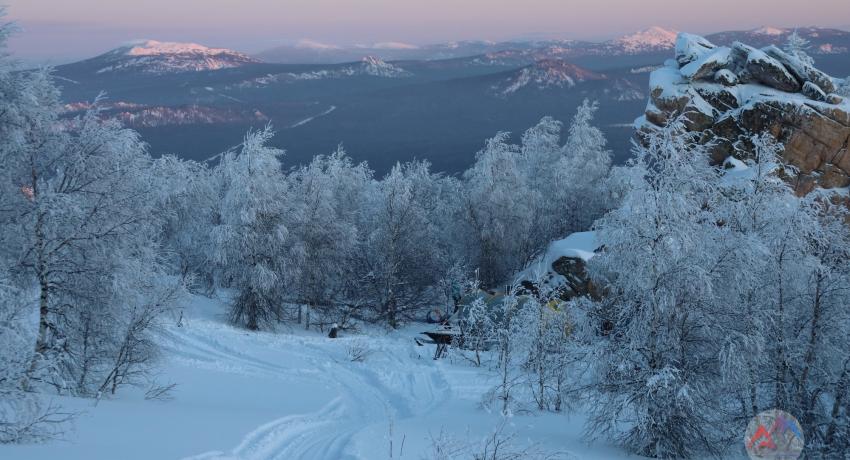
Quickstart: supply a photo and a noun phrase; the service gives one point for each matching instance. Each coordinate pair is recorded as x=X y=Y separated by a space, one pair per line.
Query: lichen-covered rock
x=729 y=94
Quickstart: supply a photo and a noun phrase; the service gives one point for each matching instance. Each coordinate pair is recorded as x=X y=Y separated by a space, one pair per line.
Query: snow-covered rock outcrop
x=151 y=56
x=728 y=94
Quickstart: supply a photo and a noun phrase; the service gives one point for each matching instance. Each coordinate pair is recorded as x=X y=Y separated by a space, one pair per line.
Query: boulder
x=834 y=99
x=578 y=283
x=706 y=66
x=802 y=71
x=691 y=47
x=722 y=99
x=768 y=71
x=812 y=91
x=726 y=77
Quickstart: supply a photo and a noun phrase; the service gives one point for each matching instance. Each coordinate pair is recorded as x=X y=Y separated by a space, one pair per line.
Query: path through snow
x=296 y=395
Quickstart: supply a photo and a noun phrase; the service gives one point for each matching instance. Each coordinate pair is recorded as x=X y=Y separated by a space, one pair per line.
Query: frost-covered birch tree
x=251 y=241
x=400 y=256
x=654 y=375
x=518 y=198
x=498 y=208
x=331 y=190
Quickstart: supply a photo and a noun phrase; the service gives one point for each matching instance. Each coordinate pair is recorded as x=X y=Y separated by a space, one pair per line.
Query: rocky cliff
x=728 y=93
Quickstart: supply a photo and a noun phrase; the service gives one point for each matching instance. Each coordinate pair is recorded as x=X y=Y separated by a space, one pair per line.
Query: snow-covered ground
x=297 y=395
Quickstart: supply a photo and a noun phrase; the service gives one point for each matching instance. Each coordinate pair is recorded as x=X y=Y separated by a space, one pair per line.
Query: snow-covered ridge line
x=368 y=66
x=154 y=48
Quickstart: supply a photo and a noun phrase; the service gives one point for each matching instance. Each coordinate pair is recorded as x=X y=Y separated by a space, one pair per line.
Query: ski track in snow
x=376 y=394
x=309 y=119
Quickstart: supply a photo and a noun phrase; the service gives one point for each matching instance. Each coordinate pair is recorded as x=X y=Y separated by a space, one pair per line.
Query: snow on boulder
x=707 y=65
x=812 y=91
x=562 y=267
x=726 y=77
x=764 y=69
x=691 y=47
x=801 y=70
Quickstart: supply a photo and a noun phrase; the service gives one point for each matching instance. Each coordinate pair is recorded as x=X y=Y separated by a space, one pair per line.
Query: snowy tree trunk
x=842 y=389
x=809 y=359
x=780 y=393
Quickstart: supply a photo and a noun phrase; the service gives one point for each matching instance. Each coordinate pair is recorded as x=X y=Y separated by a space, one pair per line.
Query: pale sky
x=60 y=30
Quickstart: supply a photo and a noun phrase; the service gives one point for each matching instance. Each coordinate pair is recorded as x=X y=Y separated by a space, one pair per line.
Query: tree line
x=100 y=241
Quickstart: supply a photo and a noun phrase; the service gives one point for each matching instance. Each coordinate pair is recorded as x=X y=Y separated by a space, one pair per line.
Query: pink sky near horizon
x=69 y=29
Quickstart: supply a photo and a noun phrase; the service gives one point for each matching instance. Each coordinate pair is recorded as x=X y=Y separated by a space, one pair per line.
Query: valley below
x=422 y=104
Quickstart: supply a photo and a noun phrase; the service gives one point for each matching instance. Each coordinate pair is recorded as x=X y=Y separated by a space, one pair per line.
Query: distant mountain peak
x=767 y=30
x=152 y=56
x=155 y=48
x=561 y=70
x=655 y=37
x=377 y=67
x=547 y=73
x=306 y=43
x=394 y=46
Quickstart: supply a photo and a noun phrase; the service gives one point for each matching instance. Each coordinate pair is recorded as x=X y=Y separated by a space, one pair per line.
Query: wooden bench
x=442 y=338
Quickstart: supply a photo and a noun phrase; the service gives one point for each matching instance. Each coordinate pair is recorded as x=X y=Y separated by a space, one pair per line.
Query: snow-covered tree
x=797 y=46
x=653 y=377
x=498 y=202
x=478 y=326
x=85 y=208
x=580 y=181
x=251 y=241
x=777 y=351
x=76 y=212
x=520 y=197
x=685 y=335
x=187 y=206
x=548 y=350
x=400 y=257
x=515 y=318
x=331 y=191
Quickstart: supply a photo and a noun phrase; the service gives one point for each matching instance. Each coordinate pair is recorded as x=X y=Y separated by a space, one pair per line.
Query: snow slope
x=297 y=395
